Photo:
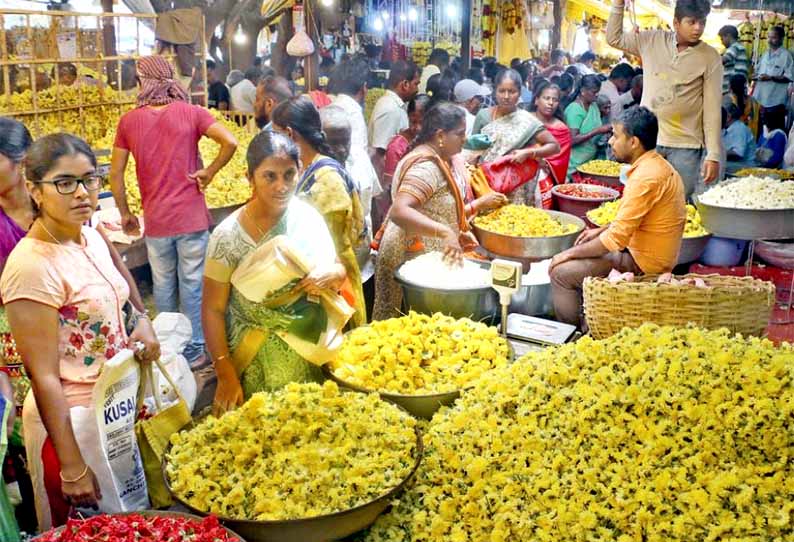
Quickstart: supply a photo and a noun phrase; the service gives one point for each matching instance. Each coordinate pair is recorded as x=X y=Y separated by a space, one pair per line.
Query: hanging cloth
x=179 y=29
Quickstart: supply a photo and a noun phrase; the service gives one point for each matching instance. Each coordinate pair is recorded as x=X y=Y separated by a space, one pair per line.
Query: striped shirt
x=734 y=61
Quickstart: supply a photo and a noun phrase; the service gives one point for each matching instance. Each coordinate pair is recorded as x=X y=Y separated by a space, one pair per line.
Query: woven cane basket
x=741 y=304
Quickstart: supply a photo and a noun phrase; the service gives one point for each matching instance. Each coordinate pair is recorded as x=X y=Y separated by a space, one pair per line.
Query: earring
x=441 y=143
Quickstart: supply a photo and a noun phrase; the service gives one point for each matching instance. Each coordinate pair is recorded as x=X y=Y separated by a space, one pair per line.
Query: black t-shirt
x=218 y=93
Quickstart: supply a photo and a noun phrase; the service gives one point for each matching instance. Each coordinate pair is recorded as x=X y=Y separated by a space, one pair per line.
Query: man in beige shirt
x=683 y=86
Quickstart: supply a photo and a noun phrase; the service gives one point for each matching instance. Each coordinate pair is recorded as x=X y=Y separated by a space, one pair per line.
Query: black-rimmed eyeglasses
x=68 y=185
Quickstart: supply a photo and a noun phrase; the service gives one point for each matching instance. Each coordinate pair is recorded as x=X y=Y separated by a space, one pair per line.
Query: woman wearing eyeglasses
x=64 y=299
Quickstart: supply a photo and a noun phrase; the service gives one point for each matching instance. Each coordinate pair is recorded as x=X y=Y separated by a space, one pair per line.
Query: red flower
x=76 y=340
x=104 y=330
x=68 y=312
x=110 y=352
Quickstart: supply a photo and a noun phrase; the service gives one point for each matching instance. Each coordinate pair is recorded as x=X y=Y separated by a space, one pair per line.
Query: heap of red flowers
x=138 y=528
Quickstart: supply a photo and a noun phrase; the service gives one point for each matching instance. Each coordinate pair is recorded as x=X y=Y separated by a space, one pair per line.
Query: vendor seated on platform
x=738 y=141
x=646 y=234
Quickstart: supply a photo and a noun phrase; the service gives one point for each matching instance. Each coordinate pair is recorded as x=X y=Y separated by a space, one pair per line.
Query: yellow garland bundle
x=654 y=435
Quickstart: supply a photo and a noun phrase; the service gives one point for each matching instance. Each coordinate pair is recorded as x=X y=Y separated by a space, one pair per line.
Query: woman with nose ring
x=262 y=329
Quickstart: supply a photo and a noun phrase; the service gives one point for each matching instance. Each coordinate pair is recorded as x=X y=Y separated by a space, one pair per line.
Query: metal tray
x=746 y=224
x=692 y=248
x=323 y=528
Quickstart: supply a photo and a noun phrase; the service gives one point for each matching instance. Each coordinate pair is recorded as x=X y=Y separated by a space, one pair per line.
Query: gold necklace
x=49 y=233
x=255 y=223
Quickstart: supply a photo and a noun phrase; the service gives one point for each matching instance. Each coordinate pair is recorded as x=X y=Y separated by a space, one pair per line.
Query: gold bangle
x=65 y=481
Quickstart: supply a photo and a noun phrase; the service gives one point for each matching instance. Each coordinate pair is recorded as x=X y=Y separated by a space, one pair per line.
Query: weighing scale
x=506 y=280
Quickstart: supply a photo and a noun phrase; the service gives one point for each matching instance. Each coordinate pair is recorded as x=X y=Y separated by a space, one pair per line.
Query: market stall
x=584 y=25
x=56 y=73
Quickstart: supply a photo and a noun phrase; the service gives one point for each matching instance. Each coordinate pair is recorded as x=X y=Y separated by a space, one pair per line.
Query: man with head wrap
x=162 y=134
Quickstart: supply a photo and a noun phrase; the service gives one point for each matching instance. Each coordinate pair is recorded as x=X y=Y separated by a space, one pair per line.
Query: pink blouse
x=87 y=290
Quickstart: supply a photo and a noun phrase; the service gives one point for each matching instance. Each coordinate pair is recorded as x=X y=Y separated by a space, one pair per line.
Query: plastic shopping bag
x=174 y=331
x=154 y=432
x=505 y=176
x=543 y=197
x=106 y=437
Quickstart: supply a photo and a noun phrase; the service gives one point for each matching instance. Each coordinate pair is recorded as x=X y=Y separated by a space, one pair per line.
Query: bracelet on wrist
x=82 y=475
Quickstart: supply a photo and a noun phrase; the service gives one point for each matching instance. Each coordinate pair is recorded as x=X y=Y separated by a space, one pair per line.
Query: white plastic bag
x=174 y=331
x=106 y=436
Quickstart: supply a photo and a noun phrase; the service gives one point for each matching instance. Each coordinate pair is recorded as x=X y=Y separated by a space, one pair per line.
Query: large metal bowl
x=532 y=300
x=162 y=514
x=323 y=528
x=692 y=248
x=481 y=304
x=419 y=406
x=606 y=179
x=746 y=224
x=531 y=248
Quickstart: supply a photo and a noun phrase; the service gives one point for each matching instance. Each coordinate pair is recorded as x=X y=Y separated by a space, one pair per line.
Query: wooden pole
x=556 y=34
x=311 y=63
x=465 y=37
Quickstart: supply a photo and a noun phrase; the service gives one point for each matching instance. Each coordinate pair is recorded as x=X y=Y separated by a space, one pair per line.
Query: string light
x=385 y=15
x=413 y=14
x=378 y=24
x=239 y=37
x=452 y=11
x=403 y=18
x=328 y=3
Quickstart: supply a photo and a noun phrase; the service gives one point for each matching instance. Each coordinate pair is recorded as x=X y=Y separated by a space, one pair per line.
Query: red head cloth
x=158 y=82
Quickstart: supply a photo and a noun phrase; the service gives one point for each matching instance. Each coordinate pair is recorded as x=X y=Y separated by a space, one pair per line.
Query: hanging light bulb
x=385 y=15
x=413 y=14
x=452 y=11
x=239 y=37
x=403 y=18
x=328 y=3
x=378 y=24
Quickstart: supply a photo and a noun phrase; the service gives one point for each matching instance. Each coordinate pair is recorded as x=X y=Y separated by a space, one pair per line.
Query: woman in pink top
x=64 y=299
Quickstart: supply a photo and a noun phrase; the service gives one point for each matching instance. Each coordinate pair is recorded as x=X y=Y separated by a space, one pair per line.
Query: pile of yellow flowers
x=765 y=172
x=657 y=434
x=419 y=354
x=96 y=123
x=300 y=452
x=229 y=187
x=601 y=167
x=522 y=221
x=606 y=213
